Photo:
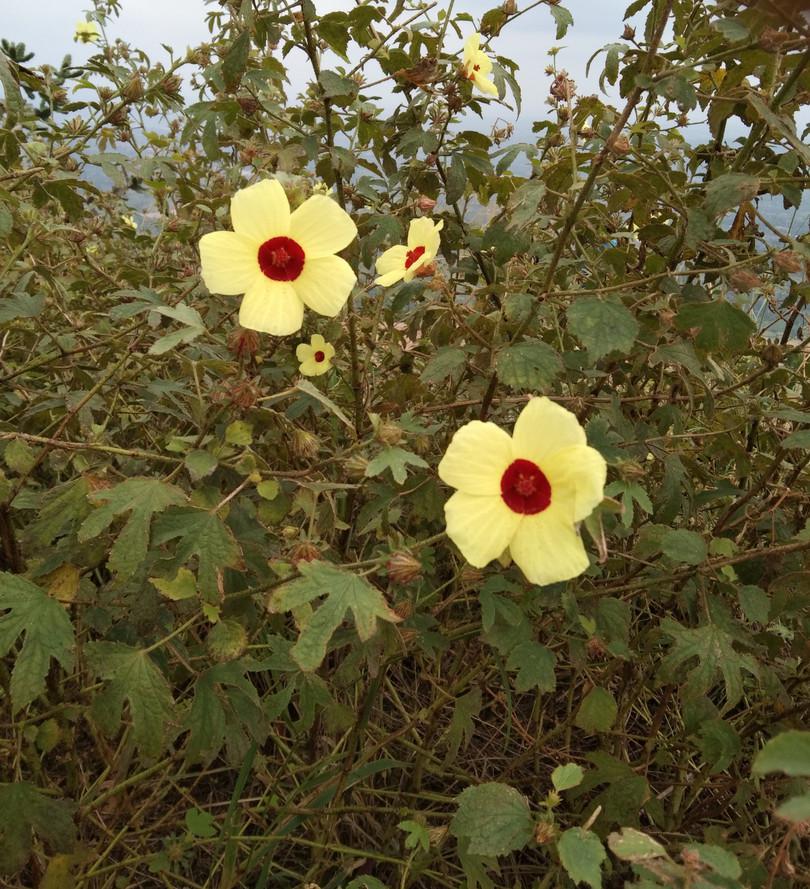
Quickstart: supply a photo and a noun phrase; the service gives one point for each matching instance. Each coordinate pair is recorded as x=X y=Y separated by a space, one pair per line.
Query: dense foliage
x=237 y=647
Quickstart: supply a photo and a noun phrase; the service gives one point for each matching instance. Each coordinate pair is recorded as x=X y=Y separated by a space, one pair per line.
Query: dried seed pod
x=403 y=567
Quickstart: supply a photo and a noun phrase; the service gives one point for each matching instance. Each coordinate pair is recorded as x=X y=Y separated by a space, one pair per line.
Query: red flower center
x=281 y=259
x=476 y=67
x=525 y=488
x=319 y=356
x=412 y=255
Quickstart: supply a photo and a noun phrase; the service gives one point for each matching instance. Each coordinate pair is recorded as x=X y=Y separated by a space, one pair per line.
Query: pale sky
x=46 y=27
x=180 y=23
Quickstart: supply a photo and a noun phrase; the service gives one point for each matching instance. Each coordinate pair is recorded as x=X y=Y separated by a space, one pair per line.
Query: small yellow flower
x=477 y=65
x=281 y=261
x=403 y=263
x=130 y=222
x=86 y=32
x=524 y=492
x=315 y=357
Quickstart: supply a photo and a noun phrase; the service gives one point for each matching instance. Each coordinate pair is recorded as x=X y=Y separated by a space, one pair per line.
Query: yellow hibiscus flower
x=403 y=263
x=315 y=356
x=86 y=32
x=477 y=65
x=524 y=492
x=281 y=261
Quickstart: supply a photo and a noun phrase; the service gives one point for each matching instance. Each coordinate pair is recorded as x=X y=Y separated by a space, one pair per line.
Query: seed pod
x=133 y=88
x=619 y=146
x=389 y=433
x=403 y=567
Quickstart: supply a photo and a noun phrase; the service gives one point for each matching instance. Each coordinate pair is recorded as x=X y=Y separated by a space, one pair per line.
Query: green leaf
x=534 y=664
x=781 y=124
x=684 y=546
x=633 y=845
x=47 y=632
x=334 y=84
x=24 y=811
x=183 y=586
x=699 y=227
x=582 y=853
x=134 y=678
x=798 y=439
x=141 y=498
x=531 y=364
x=462 y=725
x=344 y=592
x=239 y=433
x=721 y=861
x=21 y=305
x=788 y=753
x=186 y=315
x=268 y=489
x=11 y=91
x=728 y=191
x=395 y=459
x=447 y=362
x=6 y=221
x=494 y=819
x=202 y=534
x=417 y=835
x=227 y=640
x=19 y=457
x=201 y=824
x=235 y=61
x=200 y=464
x=567 y=776
x=795 y=809
x=307 y=387
x=721 y=326
x=713 y=649
x=563 y=19
x=755 y=603
x=733 y=29
x=602 y=325
x=597 y=712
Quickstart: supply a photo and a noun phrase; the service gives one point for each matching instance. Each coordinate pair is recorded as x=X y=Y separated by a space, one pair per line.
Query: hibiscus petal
x=321 y=227
x=484 y=84
x=271 y=307
x=577 y=476
x=476 y=459
x=313 y=368
x=229 y=262
x=544 y=427
x=261 y=211
x=317 y=342
x=422 y=232
x=325 y=284
x=303 y=351
x=481 y=527
x=547 y=549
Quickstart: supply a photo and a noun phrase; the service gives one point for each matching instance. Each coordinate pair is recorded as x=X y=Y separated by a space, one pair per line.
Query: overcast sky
x=46 y=27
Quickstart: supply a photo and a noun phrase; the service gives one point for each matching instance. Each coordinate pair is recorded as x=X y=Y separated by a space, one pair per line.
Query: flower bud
x=772 y=354
x=425 y=204
x=619 y=146
x=743 y=280
x=629 y=33
x=509 y=7
x=243 y=343
x=389 y=433
x=289 y=532
x=133 y=88
x=788 y=261
x=305 y=551
x=355 y=466
x=305 y=445
x=403 y=567
x=544 y=832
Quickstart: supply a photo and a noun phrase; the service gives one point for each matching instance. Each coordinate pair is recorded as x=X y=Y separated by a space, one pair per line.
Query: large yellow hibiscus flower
x=281 y=261
x=477 y=65
x=525 y=492
x=403 y=263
